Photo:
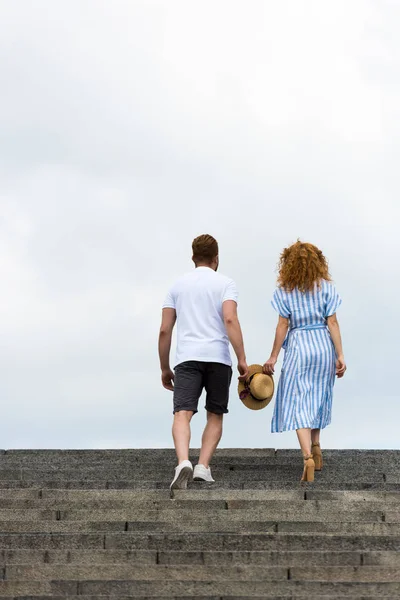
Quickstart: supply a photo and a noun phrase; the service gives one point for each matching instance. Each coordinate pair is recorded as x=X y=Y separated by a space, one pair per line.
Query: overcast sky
x=129 y=127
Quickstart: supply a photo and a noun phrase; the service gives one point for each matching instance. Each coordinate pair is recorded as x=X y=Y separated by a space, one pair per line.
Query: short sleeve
x=333 y=301
x=279 y=304
x=169 y=301
x=230 y=292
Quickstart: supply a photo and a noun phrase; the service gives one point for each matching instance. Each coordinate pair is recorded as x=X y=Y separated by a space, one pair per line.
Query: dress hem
x=294 y=428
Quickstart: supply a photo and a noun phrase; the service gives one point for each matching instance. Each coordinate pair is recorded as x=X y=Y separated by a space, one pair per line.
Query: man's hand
x=167 y=378
x=243 y=370
x=269 y=366
x=340 y=367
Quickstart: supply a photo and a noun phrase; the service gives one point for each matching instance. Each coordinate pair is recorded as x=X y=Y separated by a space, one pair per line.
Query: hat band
x=247 y=392
x=244 y=393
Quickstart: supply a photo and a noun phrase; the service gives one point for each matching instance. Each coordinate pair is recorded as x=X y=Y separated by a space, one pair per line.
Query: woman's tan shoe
x=309 y=467
x=317 y=456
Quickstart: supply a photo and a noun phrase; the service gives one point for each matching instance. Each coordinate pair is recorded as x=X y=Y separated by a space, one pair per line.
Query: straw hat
x=257 y=391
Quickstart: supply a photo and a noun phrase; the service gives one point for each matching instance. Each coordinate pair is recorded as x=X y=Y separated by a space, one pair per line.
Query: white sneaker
x=183 y=473
x=201 y=473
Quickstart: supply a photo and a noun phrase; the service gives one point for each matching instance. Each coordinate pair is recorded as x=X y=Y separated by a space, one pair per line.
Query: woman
x=308 y=330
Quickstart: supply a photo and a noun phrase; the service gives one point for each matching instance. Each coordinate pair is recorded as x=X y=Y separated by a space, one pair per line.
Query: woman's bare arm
x=280 y=335
x=334 y=329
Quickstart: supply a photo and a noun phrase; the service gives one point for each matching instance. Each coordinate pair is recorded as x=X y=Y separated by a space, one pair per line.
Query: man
x=204 y=305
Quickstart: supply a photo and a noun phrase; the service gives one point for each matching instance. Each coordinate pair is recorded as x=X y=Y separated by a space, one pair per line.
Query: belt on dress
x=304 y=328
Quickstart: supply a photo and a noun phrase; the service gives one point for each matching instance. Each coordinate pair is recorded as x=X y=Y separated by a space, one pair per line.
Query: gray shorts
x=190 y=379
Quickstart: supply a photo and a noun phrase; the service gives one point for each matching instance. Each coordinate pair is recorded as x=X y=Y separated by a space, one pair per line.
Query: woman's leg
x=304 y=436
x=315 y=436
x=316 y=449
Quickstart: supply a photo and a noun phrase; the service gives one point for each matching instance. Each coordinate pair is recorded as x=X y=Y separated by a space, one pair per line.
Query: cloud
x=130 y=128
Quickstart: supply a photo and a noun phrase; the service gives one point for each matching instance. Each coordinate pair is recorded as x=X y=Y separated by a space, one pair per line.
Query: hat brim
x=249 y=401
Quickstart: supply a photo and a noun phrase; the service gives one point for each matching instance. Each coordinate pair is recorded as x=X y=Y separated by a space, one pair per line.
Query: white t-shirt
x=197 y=298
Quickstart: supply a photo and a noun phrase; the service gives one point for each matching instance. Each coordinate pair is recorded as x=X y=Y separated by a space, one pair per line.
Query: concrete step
x=219 y=462
x=212 y=493
x=277 y=474
x=281 y=558
x=224 y=558
x=339 y=528
x=238 y=589
x=27 y=589
x=303 y=512
x=310 y=510
x=152 y=573
x=281 y=596
x=136 y=461
x=151 y=496
x=56 y=541
x=220 y=526
x=228 y=542
x=206 y=573
x=201 y=526
x=244 y=541
x=221 y=465
x=270 y=484
x=158 y=454
x=99 y=556
x=139 y=486
x=231 y=510
x=345 y=574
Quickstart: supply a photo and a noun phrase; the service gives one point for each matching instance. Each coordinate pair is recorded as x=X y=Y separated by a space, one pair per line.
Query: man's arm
x=233 y=329
x=164 y=346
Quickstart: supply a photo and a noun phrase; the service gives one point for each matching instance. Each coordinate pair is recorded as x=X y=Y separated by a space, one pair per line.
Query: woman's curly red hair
x=302 y=266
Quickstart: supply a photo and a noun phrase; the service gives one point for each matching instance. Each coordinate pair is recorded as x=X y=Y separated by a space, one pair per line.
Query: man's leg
x=181 y=434
x=211 y=438
x=217 y=382
x=188 y=385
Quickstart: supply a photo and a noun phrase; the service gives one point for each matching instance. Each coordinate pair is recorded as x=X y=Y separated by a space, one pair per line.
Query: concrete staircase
x=100 y=525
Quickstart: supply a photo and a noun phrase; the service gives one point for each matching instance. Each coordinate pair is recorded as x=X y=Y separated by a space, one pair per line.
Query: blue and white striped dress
x=305 y=389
